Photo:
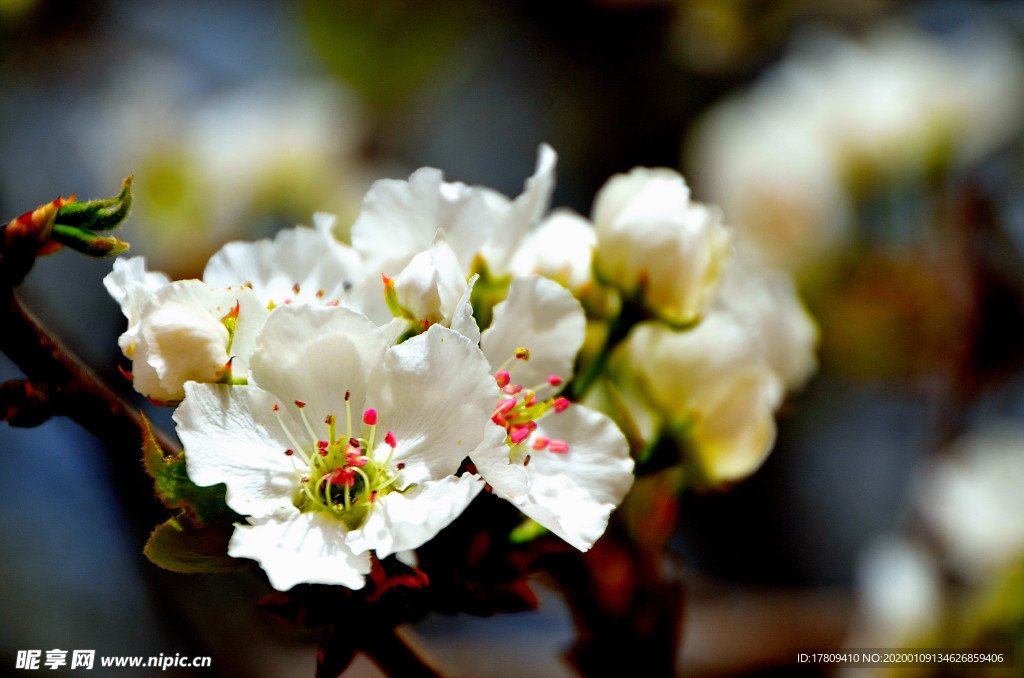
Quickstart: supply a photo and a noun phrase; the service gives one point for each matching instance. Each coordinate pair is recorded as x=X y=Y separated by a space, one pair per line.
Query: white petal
x=399 y=219
x=436 y=395
x=182 y=337
x=300 y=548
x=431 y=285
x=463 y=321
x=231 y=435
x=573 y=493
x=316 y=354
x=560 y=248
x=323 y=270
x=406 y=520
x=651 y=239
x=128 y=272
x=542 y=316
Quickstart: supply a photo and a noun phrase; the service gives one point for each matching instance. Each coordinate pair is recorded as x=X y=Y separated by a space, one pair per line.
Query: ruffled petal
x=406 y=520
x=435 y=393
x=231 y=435
x=399 y=219
x=298 y=264
x=430 y=287
x=573 y=493
x=463 y=321
x=300 y=548
x=315 y=354
x=543 y=317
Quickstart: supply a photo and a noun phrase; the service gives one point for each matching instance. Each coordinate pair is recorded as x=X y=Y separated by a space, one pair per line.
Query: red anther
x=400 y=466
x=555 y=380
x=540 y=442
x=299 y=404
x=512 y=389
x=342 y=476
x=503 y=378
x=519 y=435
x=373 y=496
x=522 y=353
x=320 y=294
x=289 y=452
x=295 y=288
x=561 y=404
x=348 y=394
x=370 y=417
x=558 y=446
x=275 y=407
x=531 y=426
x=390 y=439
x=504 y=406
x=355 y=459
x=353 y=442
x=500 y=420
x=526 y=462
x=329 y=420
x=332 y=302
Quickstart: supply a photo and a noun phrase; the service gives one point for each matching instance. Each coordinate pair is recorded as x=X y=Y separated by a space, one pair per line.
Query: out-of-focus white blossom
x=654 y=243
x=972 y=500
x=768 y=298
x=210 y=166
x=783 y=158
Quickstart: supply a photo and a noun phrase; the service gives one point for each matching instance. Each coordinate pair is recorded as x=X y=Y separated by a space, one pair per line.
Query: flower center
x=519 y=412
x=340 y=474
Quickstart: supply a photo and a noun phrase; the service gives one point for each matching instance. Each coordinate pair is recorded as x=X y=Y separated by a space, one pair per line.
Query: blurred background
x=875 y=150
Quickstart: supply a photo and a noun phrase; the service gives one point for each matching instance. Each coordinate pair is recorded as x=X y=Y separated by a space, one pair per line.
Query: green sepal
x=88 y=242
x=204 y=505
x=527 y=531
x=98 y=215
x=487 y=293
x=179 y=546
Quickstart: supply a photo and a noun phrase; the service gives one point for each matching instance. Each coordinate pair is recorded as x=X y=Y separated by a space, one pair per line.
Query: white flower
x=714 y=380
x=769 y=300
x=428 y=289
x=183 y=330
x=973 y=502
x=652 y=241
x=561 y=248
x=340 y=445
x=565 y=466
x=301 y=265
x=400 y=219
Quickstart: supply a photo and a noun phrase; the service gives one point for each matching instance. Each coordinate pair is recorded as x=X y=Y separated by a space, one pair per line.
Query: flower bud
x=656 y=245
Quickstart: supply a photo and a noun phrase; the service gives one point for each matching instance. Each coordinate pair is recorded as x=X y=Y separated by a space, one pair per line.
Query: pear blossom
x=563 y=465
x=768 y=298
x=713 y=381
x=182 y=330
x=400 y=219
x=561 y=248
x=300 y=265
x=972 y=501
x=340 y=444
x=653 y=242
x=428 y=289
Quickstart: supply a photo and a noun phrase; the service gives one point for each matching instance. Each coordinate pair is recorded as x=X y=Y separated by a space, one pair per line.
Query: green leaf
x=178 y=546
x=206 y=505
x=98 y=215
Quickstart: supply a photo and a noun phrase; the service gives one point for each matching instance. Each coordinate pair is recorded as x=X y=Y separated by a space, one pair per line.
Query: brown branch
x=397 y=654
x=71 y=389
